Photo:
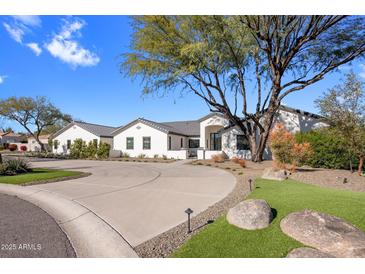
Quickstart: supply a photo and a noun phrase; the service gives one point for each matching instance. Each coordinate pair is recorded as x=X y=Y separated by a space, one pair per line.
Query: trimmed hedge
x=329 y=151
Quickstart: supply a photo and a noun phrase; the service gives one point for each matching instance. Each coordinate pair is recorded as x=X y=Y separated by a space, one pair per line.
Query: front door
x=215 y=141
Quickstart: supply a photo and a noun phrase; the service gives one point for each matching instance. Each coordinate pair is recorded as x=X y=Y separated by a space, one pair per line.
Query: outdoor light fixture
x=250 y=183
x=189 y=211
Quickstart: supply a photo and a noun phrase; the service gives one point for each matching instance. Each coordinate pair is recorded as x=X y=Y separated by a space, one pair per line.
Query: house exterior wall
x=34 y=146
x=108 y=140
x=212 y=124
x=176 y=141
x=73 y=133
x=138 y=131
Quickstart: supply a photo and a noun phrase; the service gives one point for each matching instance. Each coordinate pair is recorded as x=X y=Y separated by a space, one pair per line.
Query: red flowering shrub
x=13 y=147
x=23 y=148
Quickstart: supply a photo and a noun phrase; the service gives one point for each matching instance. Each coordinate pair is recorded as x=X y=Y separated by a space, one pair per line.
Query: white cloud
x=15 y=32
x=29 y=20
x=65 y=46
x=362 y=72
x=2 y=78
x=35 y=48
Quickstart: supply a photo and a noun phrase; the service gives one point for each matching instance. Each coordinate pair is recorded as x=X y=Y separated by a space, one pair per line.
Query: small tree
x=30 y=113
x=344 y=107
x=103 y=150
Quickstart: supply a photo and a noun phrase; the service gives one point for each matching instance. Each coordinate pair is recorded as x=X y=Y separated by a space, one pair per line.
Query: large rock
x=326 y=233
x=308 y=252
x=274 y=174
x=250 y=214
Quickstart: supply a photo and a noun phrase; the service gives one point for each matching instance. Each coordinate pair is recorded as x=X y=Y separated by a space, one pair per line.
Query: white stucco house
x=63 y=138
x=201 y=138
x=33 y=144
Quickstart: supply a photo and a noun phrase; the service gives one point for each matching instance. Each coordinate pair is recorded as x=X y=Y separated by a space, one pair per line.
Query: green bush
x=329 y=150
x=91 y=149
x=124 y=155
x=103 y=151
x=78 y=149
x=14 y=167
x=141 y=156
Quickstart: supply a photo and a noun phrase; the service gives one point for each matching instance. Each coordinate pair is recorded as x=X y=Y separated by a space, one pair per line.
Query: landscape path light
x=189 y=211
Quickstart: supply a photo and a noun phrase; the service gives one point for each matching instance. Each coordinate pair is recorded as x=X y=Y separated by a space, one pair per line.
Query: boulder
x=250 y=214
x=308 y=252
x=274 y=174
x=326 y=233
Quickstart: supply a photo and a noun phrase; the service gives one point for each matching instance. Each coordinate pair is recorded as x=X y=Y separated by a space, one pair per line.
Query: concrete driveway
x=141 y=200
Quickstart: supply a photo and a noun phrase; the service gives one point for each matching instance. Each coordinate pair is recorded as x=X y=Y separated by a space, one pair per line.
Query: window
x=130 y=143
x=194 y=143
x=55 y=144
x=68 y=144
x=169 y=142
x=215 y=141
x=242 y=143
x=146 y=142
x=181 y=142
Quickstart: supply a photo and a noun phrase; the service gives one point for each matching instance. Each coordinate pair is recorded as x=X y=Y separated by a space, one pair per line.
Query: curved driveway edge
x=90 y=236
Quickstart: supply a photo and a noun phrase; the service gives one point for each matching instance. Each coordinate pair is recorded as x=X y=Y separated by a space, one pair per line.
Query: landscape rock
x=326 y=233
x=250 y=214
x=274 y=174
x=308 y=252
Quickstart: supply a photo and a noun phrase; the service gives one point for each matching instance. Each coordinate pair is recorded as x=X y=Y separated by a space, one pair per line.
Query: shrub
x=13 y=147
x=125 y=155
x=103 y=151
x=242 y=163
x=218 y=158
x=1 y=147
x=141 y=156
x=91 y=149
x=164 y=157
x=76 y=148
x=23 y=148
x=235 y=160
x=329 y=151
x=14 y=167
x=155 y=156
x=288 y=154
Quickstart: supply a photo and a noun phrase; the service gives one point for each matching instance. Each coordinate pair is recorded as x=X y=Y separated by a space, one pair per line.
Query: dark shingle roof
x=98 y=130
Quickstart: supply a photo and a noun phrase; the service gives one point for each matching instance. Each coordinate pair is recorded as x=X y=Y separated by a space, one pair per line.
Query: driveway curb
x=90 y=236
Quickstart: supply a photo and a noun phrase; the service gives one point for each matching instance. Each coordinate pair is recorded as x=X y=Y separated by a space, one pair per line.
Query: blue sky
x=83 y=78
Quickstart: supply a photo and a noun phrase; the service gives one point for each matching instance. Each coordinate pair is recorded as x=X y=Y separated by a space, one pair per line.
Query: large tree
x=34 y=114
x=344 y=107
x=241 y=66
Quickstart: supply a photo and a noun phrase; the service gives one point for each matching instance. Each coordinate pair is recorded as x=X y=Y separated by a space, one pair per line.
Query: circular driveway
x=141 y=200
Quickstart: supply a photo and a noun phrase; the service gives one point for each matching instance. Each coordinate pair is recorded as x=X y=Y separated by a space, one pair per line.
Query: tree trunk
x=361 y=162
x=258 y=149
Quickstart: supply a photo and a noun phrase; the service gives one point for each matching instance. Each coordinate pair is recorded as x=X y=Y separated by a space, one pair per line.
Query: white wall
x=215 y=122
x=73 y=133
x=138 y=131
x=34 y=146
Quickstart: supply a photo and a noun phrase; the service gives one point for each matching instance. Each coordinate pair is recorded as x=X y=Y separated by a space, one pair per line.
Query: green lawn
x=38 y=174
x=221 y=239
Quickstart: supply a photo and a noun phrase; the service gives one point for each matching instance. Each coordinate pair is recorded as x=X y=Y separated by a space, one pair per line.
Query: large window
x=68 y=144
x=130 y=143
x=215 y=141
x=194 y=143
x=146 y=142
x=242 y=143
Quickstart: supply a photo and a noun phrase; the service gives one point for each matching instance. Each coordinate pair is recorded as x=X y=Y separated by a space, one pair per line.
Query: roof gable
x=98 y=130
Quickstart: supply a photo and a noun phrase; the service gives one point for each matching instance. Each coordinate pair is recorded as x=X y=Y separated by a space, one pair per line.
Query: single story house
x=33 y=144
x=202 y=138
x=63 y=138
x=10 y=138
